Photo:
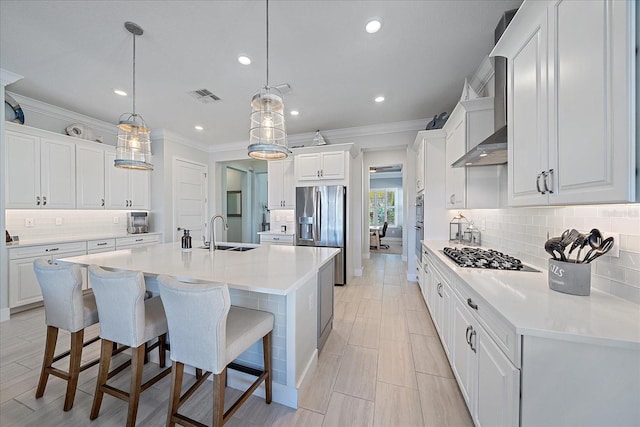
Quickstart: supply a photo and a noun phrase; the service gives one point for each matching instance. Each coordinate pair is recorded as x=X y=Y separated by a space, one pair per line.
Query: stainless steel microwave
x=137 y=222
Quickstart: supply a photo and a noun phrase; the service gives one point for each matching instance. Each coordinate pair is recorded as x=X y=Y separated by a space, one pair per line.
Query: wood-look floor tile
x=299 y=418
x=345 y=310
x=397 y=406
x=370 y=309
x=365 y=333
x=394 y=327
x=419 y=322
x=348 y=411
x=391 y=291
x=395 y=364
x=393 y=305
x=441 y=401
x=358 y=372
x=429 y=356
x=372 y=291
x=317 y=392
x=338 y=337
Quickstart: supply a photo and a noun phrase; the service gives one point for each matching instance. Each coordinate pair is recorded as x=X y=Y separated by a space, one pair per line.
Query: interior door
x=190 y=199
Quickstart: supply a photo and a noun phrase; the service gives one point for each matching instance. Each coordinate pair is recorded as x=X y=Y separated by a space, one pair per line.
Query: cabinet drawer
x=101 y=245
x=276 y=239
x=137 y=240
x=503 y=335
x=47 y=250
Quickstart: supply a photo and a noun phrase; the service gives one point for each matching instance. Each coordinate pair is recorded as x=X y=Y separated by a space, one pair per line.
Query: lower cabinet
x=325 y=302
x=277 y=239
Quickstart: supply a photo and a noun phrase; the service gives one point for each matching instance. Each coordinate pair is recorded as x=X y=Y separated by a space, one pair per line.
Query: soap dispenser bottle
x=188 y=240
x=185 y=241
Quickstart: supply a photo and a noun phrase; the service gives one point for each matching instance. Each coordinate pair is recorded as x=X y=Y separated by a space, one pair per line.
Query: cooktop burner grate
x=485 y=258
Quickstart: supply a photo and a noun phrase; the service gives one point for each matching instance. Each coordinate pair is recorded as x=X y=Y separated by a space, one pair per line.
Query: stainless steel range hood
x=493 y=150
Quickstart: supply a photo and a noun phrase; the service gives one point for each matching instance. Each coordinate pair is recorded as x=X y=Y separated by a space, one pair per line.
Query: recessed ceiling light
x=199 y=127
x=244 y=60
x=374 y=25
x=294 y=112
x=379 y=98
x=120 y=92
x=484 y=154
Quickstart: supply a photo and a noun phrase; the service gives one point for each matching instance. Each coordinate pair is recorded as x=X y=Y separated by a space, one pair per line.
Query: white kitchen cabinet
x=281 y=184
x=137 y=240
x=96 y=247
x=320 y=166
x=419 y=146
x=473 y=187
x=90 y=177
x=571 y=107
x=277 y=239
x=23 y=284
x=126 y=188
x=40 y=172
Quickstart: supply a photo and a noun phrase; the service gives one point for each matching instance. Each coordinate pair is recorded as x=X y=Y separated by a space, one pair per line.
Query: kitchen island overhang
x=280 y=279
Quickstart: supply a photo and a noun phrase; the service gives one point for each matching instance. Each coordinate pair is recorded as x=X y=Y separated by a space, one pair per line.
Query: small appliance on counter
x=137 y=222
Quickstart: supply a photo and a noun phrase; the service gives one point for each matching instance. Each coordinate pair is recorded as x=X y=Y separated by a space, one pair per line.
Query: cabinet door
x=445 y=318
x=22 y=163
x=332 y=166
x=455 y=177
x=464 y=358
x=526 y=110
x=116 y=184
x=288 y=184
x=275 y=180
x=90 y=173
x=498 y=402
x=58 y=174
x=420 y=167
x=139 y=183
x=591 y=71
x=23 y=284
x=307 y=167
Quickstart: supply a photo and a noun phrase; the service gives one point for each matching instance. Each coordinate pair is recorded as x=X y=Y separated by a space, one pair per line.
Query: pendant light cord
x=134 y=74
x=267 y=43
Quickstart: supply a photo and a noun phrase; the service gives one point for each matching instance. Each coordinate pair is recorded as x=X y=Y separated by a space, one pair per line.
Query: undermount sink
x=230 y=248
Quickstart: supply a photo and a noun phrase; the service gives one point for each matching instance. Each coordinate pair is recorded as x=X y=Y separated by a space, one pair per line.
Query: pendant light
x=133 y=150
x=267 y=136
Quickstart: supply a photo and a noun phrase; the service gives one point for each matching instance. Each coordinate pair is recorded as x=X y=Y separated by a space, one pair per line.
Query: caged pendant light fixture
x=133 y=150
x=267 y=136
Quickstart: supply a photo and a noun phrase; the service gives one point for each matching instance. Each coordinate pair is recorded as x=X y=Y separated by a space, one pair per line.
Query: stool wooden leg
x=137 y=362
x=146 y=354
x=162 y=344
x=176 y=386
x=49 y=351
x=266 y=350
x=103 y=372
x=77 y=339
x=219 y=381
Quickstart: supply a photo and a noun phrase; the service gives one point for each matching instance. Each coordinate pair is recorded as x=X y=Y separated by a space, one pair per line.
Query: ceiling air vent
x=204 y=95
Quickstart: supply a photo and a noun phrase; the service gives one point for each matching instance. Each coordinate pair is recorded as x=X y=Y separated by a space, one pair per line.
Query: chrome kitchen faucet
x=212 y=240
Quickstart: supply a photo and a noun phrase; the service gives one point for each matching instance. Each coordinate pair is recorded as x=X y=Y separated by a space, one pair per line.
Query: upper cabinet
x=419 y=146
x=473 y=187
x=125 y=188
x=328 y=165
x=40 y=172
x=90 y=177
x=281 y=184
x=571 y=106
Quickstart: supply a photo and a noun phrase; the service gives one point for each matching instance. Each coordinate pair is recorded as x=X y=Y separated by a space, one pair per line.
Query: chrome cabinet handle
x=438 y=289
x=471 y=340
x=321 y=173
x=101 y=244
x=472 y=304
x=547 y=181
x=102 y=203
x=44 y=200
x=544 y=180
x=538 y=182
x=52 y=250
x=318 y=174
x=469 y=329
x=37 y=200
x=139 y=240
x=452 y=199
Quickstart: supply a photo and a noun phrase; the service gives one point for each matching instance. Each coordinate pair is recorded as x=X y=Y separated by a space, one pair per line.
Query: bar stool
x=65 y=308
x=208 y=333
x=126 y=318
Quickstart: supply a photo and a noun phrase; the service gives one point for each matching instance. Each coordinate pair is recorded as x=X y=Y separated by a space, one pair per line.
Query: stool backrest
x=197 y=319
x=120 y=301
x=61 y=287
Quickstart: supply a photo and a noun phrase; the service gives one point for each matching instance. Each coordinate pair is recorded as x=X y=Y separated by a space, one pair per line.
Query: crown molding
x=166 y=134
x=30 y=104
x=7 y=77
x=306 y=139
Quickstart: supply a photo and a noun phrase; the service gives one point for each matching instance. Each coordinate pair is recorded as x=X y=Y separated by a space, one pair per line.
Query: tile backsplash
x=522 y=232
x=72 y=223
x=281 y=217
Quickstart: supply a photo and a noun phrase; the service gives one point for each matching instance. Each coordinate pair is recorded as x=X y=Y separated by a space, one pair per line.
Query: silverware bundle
x=593 y=243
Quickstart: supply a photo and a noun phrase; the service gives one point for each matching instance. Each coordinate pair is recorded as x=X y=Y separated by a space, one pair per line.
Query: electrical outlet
x=28 y=222
x=116 y=220
x=58 y=221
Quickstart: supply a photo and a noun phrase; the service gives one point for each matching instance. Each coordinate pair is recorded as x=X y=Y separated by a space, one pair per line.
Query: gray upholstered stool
x=126 y=318
x=208 y=333
x=65 y=308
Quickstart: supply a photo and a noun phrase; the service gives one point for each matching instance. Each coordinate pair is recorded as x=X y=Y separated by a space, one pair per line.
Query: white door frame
x=174 y=213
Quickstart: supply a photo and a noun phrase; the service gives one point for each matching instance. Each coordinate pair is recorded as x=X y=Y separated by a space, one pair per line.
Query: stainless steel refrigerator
x=321 y=216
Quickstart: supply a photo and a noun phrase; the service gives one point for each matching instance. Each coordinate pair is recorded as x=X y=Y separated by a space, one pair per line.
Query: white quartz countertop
x=267 y=269
x=70 y=239
x=526 y=302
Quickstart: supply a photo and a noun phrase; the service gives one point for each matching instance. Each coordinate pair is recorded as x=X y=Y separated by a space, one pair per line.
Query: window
x=382 y=206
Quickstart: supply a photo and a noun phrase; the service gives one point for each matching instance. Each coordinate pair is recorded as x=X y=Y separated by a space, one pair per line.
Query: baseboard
x=4 y=314
x=307 y=374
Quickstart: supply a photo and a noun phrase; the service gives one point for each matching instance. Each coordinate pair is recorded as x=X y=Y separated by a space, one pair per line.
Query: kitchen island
x=280 y=279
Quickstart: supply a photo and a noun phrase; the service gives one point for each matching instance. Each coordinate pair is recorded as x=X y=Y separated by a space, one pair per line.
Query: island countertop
x=269 y=269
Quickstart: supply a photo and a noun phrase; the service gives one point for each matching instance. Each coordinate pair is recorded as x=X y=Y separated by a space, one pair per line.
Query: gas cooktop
x=485 y=258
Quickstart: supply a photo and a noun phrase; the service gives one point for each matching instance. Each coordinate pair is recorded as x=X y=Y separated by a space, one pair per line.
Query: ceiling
x=73 y=54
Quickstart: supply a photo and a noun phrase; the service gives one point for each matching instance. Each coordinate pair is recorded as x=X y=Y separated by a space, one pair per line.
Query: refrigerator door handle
x=317 y=226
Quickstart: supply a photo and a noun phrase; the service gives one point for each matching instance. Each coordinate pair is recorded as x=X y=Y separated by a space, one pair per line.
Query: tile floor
x=382 y=365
